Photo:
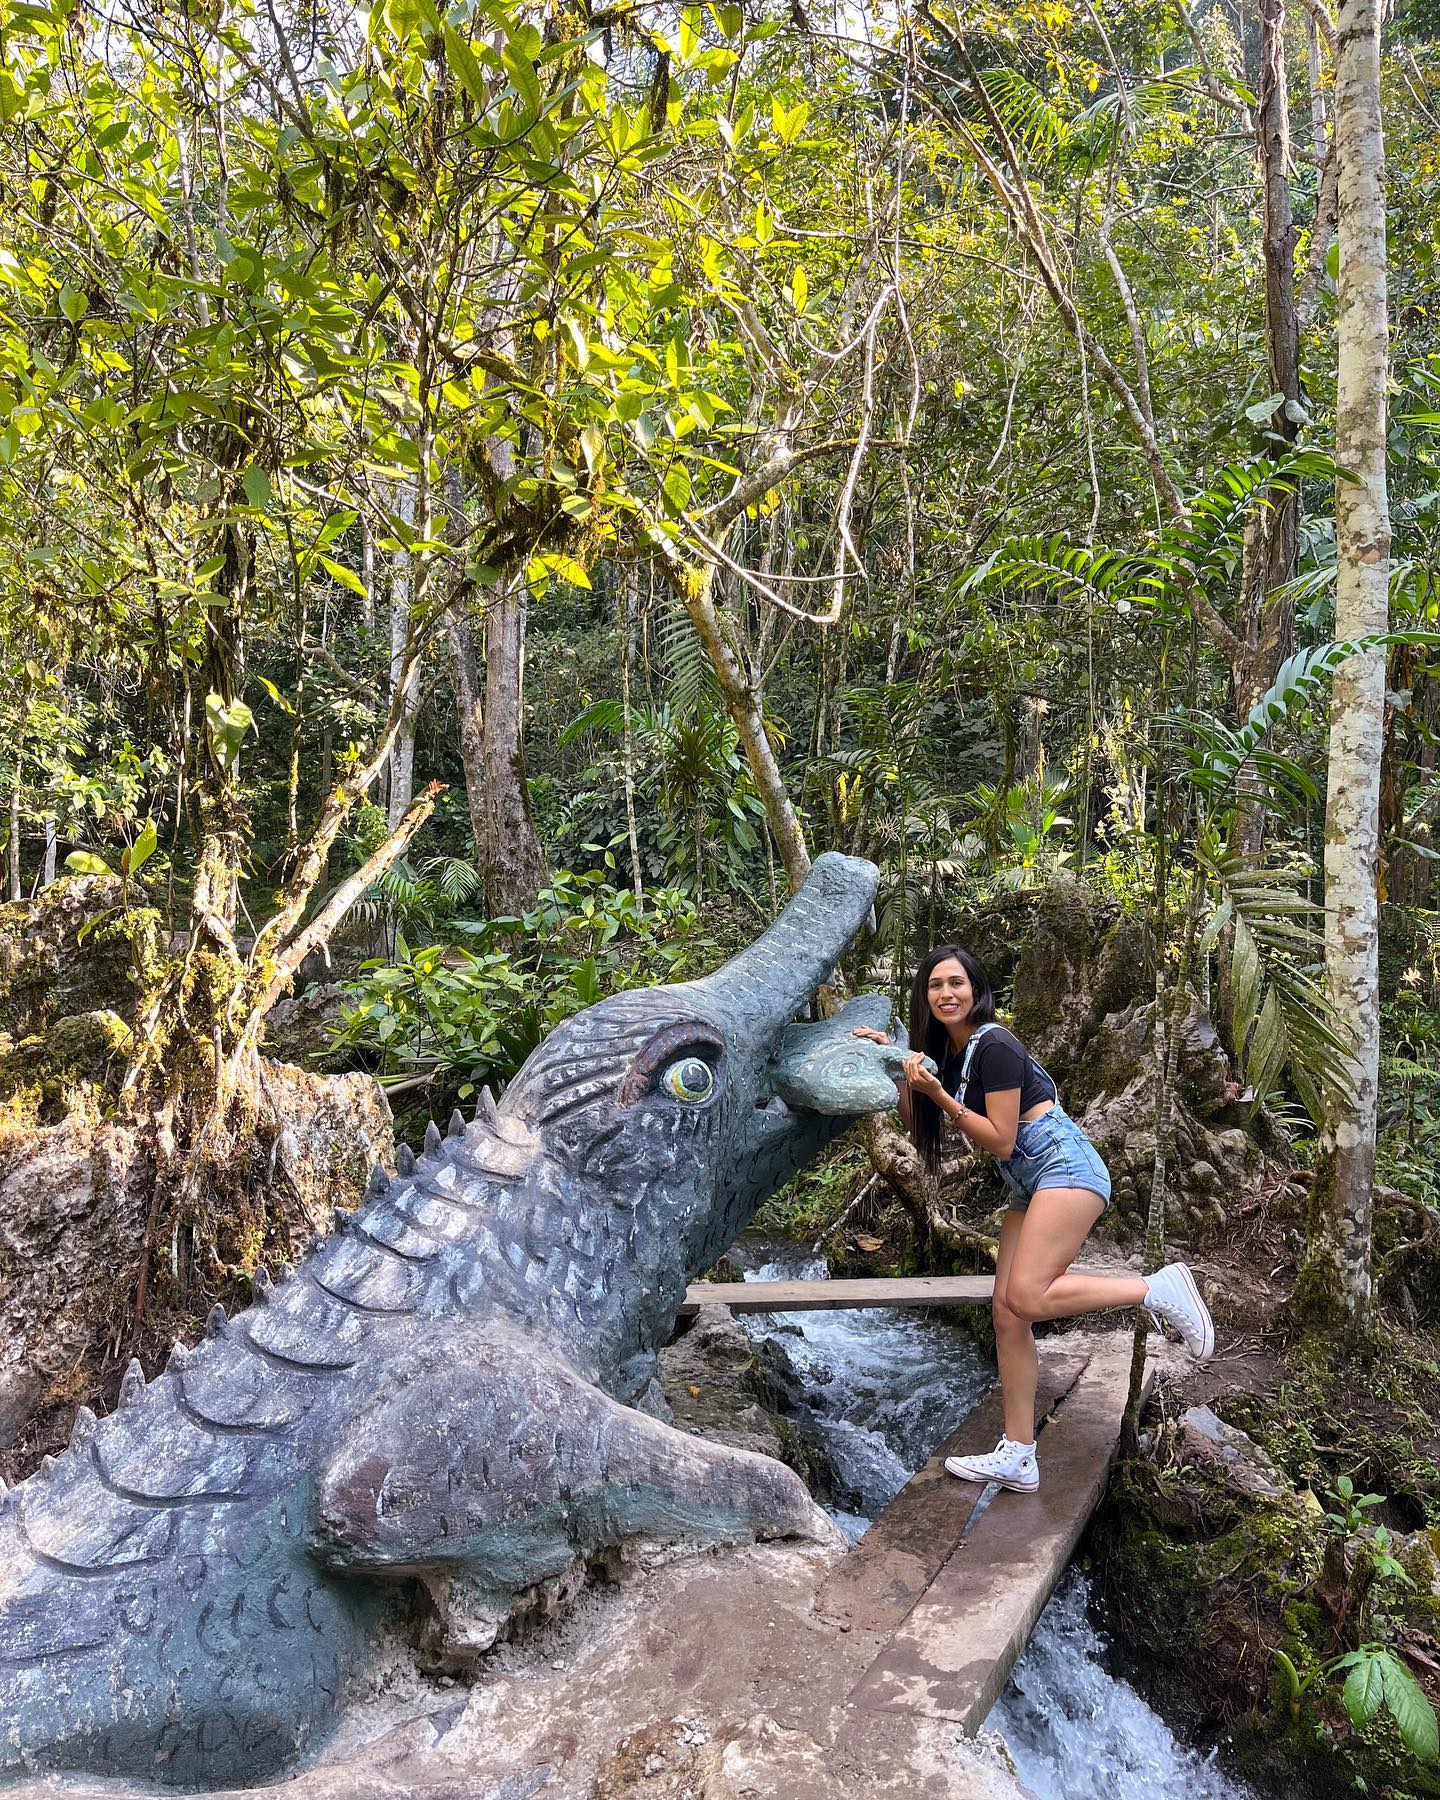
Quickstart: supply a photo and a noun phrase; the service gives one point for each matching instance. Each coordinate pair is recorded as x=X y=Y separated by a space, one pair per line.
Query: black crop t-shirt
x=1000 y=1061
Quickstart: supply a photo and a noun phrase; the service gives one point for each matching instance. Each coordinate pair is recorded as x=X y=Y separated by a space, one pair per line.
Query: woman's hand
x=869 y=1031
x=920 y=1078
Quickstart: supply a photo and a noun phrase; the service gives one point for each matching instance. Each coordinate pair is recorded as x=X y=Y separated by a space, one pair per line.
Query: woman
x=1006 y=1104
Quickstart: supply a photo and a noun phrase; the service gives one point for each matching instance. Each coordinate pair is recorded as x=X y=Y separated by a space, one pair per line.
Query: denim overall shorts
x=1050 y=1152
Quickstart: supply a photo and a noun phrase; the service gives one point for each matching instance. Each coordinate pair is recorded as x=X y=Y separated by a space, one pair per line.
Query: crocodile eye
x=691 y=1078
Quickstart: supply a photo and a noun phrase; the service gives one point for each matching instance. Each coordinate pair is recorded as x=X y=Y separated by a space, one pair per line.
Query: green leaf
x=346 y=577
x=81 y=862
x=1264 y=409
x=1408 y=1705
x=226 y=726
x=677 y=486
x=1363 y=1691
x=523 y=77
x=463 y=61
x=256 y=484
x=275 y=694
x=140 y=852
x=73 y=304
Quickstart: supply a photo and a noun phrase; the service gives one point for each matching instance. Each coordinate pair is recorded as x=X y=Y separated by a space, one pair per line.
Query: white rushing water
x=879 y=1390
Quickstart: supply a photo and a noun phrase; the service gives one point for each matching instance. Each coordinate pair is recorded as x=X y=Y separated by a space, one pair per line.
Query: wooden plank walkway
x=820 y=1296
x=947 y=1598
x=959 y=1608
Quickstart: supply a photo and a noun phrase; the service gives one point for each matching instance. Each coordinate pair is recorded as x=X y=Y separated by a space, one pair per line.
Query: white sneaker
x=1011 y=1465
x=1172 y=1298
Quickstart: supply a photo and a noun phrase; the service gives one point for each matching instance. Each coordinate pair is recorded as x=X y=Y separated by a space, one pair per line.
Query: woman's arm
x=995 y=1133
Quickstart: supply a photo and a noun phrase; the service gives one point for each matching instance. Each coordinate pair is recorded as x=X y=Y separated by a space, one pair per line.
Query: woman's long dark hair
x=929 y=1035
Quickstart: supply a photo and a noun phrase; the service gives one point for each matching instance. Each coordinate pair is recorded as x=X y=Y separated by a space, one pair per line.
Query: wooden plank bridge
x=947 y=1591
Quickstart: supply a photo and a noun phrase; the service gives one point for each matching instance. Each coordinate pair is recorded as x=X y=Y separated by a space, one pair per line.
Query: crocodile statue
x=439 y=1416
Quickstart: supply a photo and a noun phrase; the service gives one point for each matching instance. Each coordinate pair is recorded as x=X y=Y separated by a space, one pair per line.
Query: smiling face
x=949 y=993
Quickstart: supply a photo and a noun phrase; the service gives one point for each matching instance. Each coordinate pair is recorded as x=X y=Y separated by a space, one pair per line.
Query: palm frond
x=1031 y=120
x=1281 y=1017
x=690 y=684
x=1300 y=679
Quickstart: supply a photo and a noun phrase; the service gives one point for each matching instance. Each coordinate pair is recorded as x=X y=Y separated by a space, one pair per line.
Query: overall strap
x=969 y=1056
x=995 y=1025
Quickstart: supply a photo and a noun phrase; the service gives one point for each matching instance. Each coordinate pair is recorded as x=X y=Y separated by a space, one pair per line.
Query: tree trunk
x=511 y=859
x=402 y=757
x=12 y=849
x=1318 y=137
x=1337 y=1271
x=696 y=591
x=627 y=742
x=1266 y=624
x=469 y=710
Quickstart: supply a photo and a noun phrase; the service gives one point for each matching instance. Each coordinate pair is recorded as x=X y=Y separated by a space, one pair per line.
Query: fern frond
x=1026 y=114
x=1281 y=1017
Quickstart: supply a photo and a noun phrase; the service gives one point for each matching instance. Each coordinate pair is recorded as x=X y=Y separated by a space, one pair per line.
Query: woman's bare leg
x=1014 y=1342
x=1038 y=1283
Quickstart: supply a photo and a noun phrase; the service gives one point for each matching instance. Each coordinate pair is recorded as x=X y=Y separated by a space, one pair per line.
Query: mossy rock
x=1222 y=1593
x=41 y=1076
x=48 y=972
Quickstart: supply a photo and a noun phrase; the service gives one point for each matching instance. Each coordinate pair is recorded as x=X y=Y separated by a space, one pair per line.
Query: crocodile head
x=687 y=1105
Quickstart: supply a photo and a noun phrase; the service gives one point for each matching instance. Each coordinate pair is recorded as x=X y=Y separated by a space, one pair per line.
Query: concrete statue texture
x=438 y=1418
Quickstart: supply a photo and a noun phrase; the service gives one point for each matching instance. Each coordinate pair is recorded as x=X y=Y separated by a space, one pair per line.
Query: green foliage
x=1377 y=1678
x=1353 y=1507
x=466 y=1015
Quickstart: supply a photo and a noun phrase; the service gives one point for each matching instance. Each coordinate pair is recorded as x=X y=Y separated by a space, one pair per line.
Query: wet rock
x=1204 y=1436
x=709 y=1380
x=719 y=1386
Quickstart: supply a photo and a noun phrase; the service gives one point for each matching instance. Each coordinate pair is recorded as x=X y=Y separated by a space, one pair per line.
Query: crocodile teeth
x=261 y=1285
x=84 y=1427
x=48 y=1466
x=432 y=1138
x=404 y=1160
x=457 y=1123
x=177 y=1358
x=339 y=1219
x=485 y=1107
x=215 y=1321
x=378 y=1181
x=132 y=1382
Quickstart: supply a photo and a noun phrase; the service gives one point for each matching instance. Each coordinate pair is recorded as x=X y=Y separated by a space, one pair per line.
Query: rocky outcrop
x=1077 y=979
x=79 y=1219
x=49 y=970
x=76 y=1228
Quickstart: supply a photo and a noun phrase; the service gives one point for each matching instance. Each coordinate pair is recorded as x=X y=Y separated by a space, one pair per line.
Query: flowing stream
x=878 y=1391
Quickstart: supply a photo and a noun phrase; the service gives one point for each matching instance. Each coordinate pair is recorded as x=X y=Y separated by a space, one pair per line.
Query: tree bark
x=469 y=710
x=631 y=587
x=1337 y=1273
x=511 y=860
x=696 y=591
x=1273 y=530
x=402 y=756
x=12 y=848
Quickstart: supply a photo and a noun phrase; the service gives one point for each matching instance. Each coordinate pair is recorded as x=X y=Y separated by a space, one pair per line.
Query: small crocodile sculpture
x=437 y=1415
